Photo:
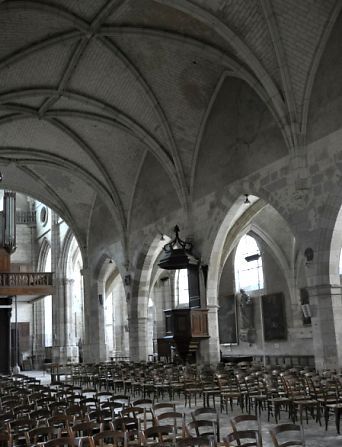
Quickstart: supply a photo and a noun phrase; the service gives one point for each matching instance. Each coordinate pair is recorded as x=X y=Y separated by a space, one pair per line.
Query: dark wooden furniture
x=186 y=328
x=5 y=334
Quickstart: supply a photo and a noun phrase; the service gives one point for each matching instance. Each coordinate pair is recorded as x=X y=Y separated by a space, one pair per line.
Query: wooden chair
x=143 y=403
x=201 y=427
x=18 y=427
x=89 y=392
x=75 y=410
x=231 y=391
x=162 y=407
x=59 y=442
x=208 y=413
x=132 y=411
x=23 y=410
x=89 y=404
x=247 y=422
x=58 y=407
x=242 y=438
x=62 y=422
x=331 y=402
x=103 y=396
x=6 y=439
x=199 y=441
x=124 y=399
x=146 y=405
x=133 y=438
x=116 y=438
x=158 y=435
x=277 y=401
x=5 y=418
x=40 y=434
x=284 y=435
x=192 y=390
x=256 y=392
x=125 y=423
x=114 y=407
x=176 y=420
x=103 y=416
x=300 y=400
x=41 y=416
x=82 y=431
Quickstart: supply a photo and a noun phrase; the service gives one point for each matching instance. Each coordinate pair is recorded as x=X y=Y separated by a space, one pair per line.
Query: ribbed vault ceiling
x=89 y=88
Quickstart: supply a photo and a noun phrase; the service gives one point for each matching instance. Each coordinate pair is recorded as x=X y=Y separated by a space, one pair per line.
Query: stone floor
x=315 y=435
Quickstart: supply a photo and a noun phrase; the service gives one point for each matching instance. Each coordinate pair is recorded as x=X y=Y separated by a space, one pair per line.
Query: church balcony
x=26 y=218
x=38 y=283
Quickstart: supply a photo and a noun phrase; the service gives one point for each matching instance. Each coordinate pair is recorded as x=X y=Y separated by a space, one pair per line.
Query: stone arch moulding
x=65 y=251
x=216 y=252
x=43 y=253
x=219 y=249
x=106 y=266
x=277 y=253
x=145 y=280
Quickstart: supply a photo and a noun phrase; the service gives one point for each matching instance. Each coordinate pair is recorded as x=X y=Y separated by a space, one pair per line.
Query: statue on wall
x=246 y=321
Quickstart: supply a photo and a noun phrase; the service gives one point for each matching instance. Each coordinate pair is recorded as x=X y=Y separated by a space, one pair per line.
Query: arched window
x=182 y=287
x=248 y=265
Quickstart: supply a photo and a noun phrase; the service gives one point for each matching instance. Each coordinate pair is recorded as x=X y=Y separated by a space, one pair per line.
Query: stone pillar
x=138 y=338
x=58 y=298
x=210 y=348
x=38 y=334
x=71 y=346
x=94 y=347
x=58 y=322
x=326 y=317
x=162 y=300
x=121 y=341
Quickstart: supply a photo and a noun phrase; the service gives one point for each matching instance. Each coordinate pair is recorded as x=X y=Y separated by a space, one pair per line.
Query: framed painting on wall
x=274 y=316
x=227 y=319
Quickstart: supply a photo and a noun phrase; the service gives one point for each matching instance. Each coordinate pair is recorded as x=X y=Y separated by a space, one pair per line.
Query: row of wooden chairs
x=161 y=436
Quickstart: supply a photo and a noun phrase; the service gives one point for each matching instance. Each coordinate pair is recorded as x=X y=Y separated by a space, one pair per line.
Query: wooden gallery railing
x=26 y=283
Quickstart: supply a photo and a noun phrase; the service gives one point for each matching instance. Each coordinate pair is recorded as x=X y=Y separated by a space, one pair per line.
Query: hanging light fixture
x=177 y=254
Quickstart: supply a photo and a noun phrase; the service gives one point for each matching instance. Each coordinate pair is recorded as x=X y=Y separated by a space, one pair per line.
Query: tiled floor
x=315 y=435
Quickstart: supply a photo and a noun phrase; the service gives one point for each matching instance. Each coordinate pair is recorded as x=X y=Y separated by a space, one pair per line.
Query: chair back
x=238 y=438
x=157 y=435
x=201 y=427
x=208 y=414
x=247 y=422
x=287 y=435
x=116 y=438
x=198 y=441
